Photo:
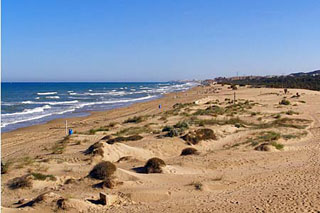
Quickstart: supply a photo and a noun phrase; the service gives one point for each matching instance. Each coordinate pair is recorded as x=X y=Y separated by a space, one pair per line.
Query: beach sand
x=228 y=174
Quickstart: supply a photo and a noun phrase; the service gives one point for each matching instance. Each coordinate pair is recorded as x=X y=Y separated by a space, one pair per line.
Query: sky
x=144 y=40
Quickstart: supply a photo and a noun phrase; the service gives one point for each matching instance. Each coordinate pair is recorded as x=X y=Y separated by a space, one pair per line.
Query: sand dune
x=262 y=157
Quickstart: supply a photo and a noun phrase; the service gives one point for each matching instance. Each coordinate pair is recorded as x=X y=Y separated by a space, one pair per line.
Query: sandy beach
x=259 y=154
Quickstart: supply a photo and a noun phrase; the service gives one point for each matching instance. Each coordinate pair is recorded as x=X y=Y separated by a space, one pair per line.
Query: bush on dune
x=182 y=125
x=198 y=135
x=93 y=148
x=177 y=129
x=122 y=139
x=284 y=102
x=135 y=119
x=103 y=170
x=154 y=165
x=189 y=151
x=40 y=176
x=173 y=133
x=263 y=147
x=4 y=167
x=167 y=128
x=20 y=182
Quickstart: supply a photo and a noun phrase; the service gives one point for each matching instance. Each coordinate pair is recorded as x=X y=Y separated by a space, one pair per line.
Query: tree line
x=311 y=82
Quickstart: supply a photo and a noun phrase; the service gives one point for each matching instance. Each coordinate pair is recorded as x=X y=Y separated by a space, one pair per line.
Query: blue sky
x=144 y=40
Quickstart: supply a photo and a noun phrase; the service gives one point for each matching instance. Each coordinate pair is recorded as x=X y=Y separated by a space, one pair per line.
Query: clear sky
x=149 y=40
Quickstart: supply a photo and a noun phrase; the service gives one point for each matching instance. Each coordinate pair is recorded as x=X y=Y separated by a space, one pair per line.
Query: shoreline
x=92 y=120
x=235 y=158
x=85 y=114
x=81 y=107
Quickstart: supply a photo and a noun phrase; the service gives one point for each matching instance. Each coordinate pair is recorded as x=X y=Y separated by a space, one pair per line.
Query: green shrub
x=181 y=105
x=211 y=110
x=122 y=139
x=167 y=128
x=284 y=102
x=183 y=125
x=100 y=129
x=103 y=170
x=269 y=136
x=233 y=87
x=198 y=135
x=134 y=130
x=40 y=176
x=189 y=151
x=173 y=133
x=154 y=165
x=290 y=112
x=278 y=146
x=135 y=119
x=292 y=136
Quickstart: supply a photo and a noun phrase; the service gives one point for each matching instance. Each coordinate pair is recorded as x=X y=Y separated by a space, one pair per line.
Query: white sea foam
x=47 y=93
x=28 y=102
x=4 y=124
x=27 y=111
x=15 y=121
x=51 y=103
x=7 y=103
x=52 y=97
x=107 y=93
x=115 y=101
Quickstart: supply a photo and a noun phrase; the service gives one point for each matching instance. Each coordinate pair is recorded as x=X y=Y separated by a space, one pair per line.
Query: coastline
x=81 y=114
x=226 y=165
x=30 y=107
x=55 y=129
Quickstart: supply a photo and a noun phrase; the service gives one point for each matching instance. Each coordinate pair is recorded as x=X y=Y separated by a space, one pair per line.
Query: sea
x=26 y=104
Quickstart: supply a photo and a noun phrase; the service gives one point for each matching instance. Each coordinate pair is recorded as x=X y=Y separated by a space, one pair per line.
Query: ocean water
x=26 y=104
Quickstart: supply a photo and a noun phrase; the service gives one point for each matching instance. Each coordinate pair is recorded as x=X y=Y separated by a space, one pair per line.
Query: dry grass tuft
x=197 y=185
x=60 y=146
x=122 y=139
x=135 y=119
x=40 y=176
x=20 y=182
